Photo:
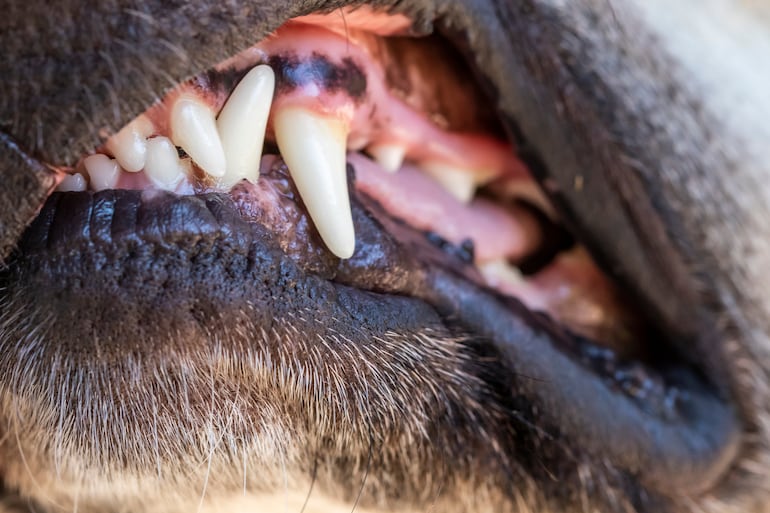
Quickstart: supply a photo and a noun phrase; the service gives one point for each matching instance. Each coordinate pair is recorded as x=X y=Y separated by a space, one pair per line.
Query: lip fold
x=156 y=255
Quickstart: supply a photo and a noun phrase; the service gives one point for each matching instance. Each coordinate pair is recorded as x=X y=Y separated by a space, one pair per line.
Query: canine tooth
x=242 y=124
x=313 y=148
x=163 y=167
x=389 y=156
x=194 y=128
x=129 y=145
x=74 y=182
x=460 y=183
x=102 y=171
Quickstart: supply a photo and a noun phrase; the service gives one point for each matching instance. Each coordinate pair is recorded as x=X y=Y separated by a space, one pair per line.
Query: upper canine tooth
x=74 y=182
x=242 y=123
x=460 y=183
x=194 y=128
x=103 y=171
x=129 y=146
x=163 y=167
x=313 y=147
x=390 y=157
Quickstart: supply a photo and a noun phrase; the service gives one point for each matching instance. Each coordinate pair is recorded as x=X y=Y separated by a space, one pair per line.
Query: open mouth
x=355 y=179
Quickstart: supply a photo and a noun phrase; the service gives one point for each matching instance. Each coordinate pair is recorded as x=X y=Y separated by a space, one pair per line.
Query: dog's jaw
x=701 y=214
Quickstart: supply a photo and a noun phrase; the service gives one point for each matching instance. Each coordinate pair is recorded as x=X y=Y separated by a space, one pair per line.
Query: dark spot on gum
x=292 y=72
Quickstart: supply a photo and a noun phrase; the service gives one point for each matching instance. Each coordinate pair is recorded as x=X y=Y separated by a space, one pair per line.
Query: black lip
x=686 y=454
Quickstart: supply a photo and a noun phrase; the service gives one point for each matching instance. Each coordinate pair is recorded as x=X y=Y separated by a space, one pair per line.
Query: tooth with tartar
x=460 y=183
x=129 y=146
x=242 y=124
x=73 y=183
x=163 y=167
x=102 y=171
x=390 y=157
x=313 y=147
x=194 y=128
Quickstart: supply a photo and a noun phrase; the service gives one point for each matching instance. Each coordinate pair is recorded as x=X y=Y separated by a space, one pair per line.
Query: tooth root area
x=129 y=145
x=242 y=123
x=460 y=183
x=314 y=150
x=163 y=167
x=103 y=171
x=194 y=129
x=73 y=183
x=389 y=156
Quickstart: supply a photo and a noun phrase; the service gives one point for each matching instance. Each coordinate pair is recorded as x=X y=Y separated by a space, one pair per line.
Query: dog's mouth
x=353 y=179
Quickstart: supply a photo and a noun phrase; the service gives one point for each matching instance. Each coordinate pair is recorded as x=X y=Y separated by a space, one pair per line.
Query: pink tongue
x=409 y=194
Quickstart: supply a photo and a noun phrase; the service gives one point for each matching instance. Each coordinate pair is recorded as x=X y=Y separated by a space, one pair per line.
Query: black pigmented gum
x=292 y=72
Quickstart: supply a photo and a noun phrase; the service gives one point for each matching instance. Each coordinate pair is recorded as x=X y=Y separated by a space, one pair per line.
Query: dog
x=185 y=373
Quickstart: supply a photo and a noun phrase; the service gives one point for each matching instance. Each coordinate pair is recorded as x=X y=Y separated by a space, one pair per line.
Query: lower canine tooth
x=242 y=124
x=163 y=167
x=389 y=156
x=460 y=183
x=103 y=171
x=194 y=128
x=75 y=183
x=129 y=146
x=313 y=148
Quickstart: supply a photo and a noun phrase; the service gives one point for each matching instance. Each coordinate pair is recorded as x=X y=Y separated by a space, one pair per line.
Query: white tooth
x=313 y=148
x=74 y=182
x=102 y=171
x=460 y=183
x=163 y=167
x=499 y=272
x=242 y=124
x=390 y=157
x=129 y=146
x=194 y=128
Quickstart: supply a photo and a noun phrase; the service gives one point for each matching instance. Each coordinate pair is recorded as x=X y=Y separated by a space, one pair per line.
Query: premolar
x=389 y=156
x=461 y=183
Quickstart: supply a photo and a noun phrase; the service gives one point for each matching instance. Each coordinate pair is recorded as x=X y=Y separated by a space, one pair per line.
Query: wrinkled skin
x=188 y=372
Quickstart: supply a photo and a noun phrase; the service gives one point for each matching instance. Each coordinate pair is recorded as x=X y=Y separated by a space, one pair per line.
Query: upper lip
x=619 y=223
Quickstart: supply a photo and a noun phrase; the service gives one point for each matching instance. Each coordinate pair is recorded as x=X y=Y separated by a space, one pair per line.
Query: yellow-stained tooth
x=460 y=183
x=194 y=128
x=314 y=147
x=242 y=124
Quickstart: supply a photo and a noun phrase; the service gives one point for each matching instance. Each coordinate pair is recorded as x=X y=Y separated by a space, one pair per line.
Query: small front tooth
x=73 y=183
x=163 y=167
x=242 y=124
x=390 y=157
x=194 y=128
x=129 y=146
x=460 y=183
x=102 y=171
x=313 y=148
